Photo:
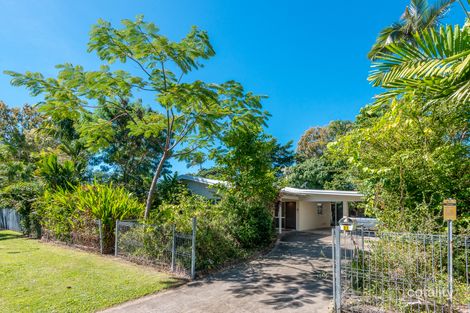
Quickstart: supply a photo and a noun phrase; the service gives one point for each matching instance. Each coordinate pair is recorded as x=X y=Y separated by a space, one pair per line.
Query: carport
x=307 y=209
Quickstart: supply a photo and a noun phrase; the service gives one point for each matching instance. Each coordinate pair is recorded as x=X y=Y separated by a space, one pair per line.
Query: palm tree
x=418 y=16
x=432 y=67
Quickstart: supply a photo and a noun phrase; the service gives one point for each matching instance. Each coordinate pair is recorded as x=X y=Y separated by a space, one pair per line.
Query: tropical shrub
x=58 y=174
x=215 y=245
x=70 y=212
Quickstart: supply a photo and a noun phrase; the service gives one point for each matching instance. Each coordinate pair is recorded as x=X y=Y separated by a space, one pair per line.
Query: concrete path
x=294 y=277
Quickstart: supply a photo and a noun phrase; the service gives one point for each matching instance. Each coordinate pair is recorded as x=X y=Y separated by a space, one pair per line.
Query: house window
x=320 y=208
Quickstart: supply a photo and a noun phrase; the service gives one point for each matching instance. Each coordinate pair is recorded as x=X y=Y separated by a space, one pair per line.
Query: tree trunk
x=153 y=186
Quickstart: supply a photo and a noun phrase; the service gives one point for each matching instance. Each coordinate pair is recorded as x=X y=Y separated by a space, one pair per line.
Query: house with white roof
x=297 y=209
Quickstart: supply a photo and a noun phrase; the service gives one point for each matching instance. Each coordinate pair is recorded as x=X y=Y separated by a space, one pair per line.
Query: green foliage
x=58 y=175
x=315 y=169
x=435 y=68
x=107 y=203
x=215 y=246
x=409 y=150
x=319 y=173
x=128 y=159
x=59 y=215
x=70 y=210
x=314 y=141
x=282 y=156
x=412 y=260
x=411 y=157
x=170 y=188
x=189 y=115
x=249 y=199
x=419 y=16
x=21 y=196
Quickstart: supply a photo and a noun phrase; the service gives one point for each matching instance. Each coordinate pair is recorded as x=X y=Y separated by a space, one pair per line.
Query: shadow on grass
x=7 y=234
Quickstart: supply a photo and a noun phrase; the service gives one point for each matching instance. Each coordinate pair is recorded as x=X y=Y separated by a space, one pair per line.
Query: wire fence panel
x=160 y=246
x=88 y=236
x=401 y=272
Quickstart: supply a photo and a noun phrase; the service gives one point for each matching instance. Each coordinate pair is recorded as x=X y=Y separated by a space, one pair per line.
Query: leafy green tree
x=411 y=158
x=21 y=196
x=19 y=132
x=128 y=159
x=319 y=173
x=282 y=156
x=409 y=150
x=248 y=201
x=313 y=142
x=314 y=169
x=419 y=15
x=187 y=116
x=20 y=145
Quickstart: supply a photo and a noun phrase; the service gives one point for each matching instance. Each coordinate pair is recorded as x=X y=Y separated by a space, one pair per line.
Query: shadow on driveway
x=294 y=277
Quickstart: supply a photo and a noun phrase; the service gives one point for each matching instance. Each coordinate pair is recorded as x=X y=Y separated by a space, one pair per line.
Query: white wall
x=307 y=217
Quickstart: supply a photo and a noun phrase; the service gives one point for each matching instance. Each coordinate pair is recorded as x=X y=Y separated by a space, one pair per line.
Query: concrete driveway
x=294 y=277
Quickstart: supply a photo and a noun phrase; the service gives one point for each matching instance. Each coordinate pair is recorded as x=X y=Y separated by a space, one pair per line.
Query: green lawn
x=42 y=277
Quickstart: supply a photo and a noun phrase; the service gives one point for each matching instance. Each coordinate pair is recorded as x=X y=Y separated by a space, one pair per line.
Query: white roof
x=318 y=192
x=201 y=180
x=285 y=190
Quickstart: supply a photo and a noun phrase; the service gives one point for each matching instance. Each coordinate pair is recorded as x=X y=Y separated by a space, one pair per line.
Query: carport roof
x=319 y=192
x=287 y=192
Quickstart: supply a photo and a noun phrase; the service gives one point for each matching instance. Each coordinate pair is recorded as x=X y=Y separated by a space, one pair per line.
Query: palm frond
x=435 y=66
x=436 y=12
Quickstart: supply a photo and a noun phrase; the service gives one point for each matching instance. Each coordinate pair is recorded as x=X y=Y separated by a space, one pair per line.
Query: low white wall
x=308 y=218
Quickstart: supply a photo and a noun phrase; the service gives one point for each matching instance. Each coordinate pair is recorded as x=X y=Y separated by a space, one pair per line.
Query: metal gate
x=400 y=272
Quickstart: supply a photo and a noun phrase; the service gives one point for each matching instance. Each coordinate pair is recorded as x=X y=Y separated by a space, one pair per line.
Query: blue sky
x=309 y=57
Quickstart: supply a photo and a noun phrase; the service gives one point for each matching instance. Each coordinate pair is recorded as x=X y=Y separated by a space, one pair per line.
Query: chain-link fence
x=87 y=236
x=400 y=272
x=161 y=246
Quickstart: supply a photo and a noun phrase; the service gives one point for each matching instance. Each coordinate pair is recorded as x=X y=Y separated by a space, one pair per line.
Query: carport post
x=279 y=217
x=337 y=269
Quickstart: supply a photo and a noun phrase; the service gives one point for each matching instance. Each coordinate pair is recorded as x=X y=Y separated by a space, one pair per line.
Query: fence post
x=173 y=248
x=193 y=250
x=116 y=238
x=101 y=236
x=337 y=269
x=449 y=263
x=333 y=251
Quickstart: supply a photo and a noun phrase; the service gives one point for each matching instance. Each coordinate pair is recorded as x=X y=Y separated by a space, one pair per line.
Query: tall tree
x=410 y=149
x=127 y=159
x=418 y=16
x=245 y=160
x=313 y=142
x=187 y=116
